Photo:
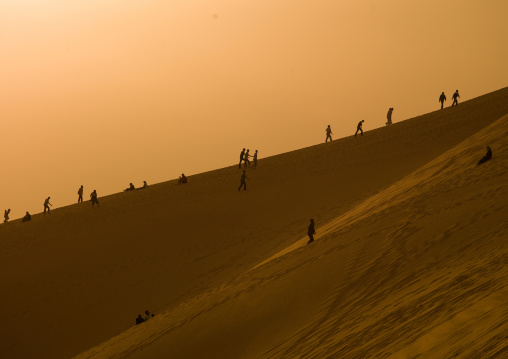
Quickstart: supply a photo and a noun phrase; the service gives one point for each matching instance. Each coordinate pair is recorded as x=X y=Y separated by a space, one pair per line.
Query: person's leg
x=442 y=105
x=356 y=132
x=311 y=238
x=241 y=184
x=245 y=186
x=361 y=133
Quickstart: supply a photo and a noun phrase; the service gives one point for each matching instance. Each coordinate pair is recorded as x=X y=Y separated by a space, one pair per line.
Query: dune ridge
x=438 y=295
x=78 y=277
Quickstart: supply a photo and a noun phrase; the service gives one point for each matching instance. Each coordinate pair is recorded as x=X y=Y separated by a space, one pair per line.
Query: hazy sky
x=107 y=92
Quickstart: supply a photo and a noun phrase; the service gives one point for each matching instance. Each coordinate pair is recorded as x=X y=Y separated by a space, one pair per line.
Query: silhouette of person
x=6 y=214
x=311 y=231
x=442 y=99
x=80 y=194
x=147 y=315
x=255 y=159
x=46 y=205
x=455 y=96
x=328 y=134
x=359 y=128
x=246 y=159
x=131 y=187
x=242 y=181
x=487 y=156
x=182 y=179
x=93 y=198
x=27 y=217
x=389 y=117
x=139 y=319
x=145 y=185
x=241 y=158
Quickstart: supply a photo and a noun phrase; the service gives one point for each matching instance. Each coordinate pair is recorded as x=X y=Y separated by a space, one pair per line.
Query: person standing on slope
x=242 y=181
x=246 y=159
x=255 y=160
x=455 y=96
x=389 y=117
x=80 y=194
x=442 y=99
x=93 y=198
x=46 y=205
x=328 y=134
x=6 y=214
x=241 y=158
x=311 y=231
x=359 y=128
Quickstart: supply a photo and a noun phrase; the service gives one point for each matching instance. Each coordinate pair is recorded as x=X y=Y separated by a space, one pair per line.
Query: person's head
x=244 y=149
x=256 y=150
x=27 y=213
x=488 y=148
x=456 y=90
x=49 y=197
x=147 y=312
x=243 y=171
x=363 y=120
x=312 y=220
x=183 y=175
x=328 y=125
x=81 y=186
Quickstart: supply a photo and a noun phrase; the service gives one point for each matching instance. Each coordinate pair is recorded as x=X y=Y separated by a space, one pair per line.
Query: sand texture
x=410 y=258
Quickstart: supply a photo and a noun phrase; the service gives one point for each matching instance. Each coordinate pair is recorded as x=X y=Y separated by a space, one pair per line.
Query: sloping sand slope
x=79 y=276
x=419 y=269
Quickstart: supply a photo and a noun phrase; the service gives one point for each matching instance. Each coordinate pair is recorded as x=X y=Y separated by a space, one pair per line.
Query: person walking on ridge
x=6 y=214
x=255 y=160
x=80 y=194
x=328 y=134
x=93 y=198
x=311 y=231
x=389 y=117
x=455 y=96
x=359 y=128
x=246 y=159
x=46 y=205
x=241 y=158
x=242 y=181
x=442 y=99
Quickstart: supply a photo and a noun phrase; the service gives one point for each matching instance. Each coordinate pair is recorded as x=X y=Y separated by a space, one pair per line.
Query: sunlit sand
x=410 y=257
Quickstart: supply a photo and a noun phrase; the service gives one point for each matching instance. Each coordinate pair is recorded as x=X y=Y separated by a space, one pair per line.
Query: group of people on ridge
x=244 y=157
x=455 y=96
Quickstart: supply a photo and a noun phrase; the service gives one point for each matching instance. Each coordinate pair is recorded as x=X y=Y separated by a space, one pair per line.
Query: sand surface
x=410 y=257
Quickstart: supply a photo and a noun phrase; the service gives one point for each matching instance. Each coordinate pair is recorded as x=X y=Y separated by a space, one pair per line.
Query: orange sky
x=105 y=92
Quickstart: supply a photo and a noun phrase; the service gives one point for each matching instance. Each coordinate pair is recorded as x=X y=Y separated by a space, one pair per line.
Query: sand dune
x=410 y=257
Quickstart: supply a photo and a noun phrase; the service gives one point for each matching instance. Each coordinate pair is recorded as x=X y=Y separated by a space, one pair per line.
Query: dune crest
x=398 y=228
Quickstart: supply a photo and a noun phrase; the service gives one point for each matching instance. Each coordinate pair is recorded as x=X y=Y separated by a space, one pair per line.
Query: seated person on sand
x=131 y=187
x=139 y=319
x=487 y=157
x=27 y=217
x=145 y=185
x=182 y=179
